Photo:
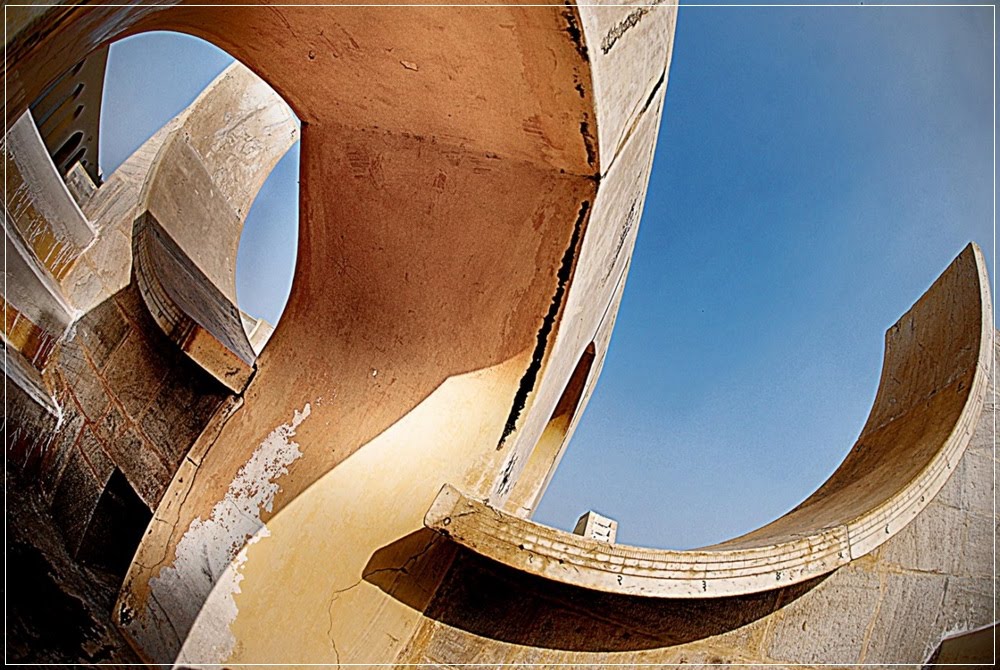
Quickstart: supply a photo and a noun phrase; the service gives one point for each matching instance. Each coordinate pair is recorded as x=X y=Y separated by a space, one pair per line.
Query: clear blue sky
x=817 y=169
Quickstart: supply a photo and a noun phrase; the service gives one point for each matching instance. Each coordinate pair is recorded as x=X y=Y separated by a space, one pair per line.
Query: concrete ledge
x=188 y=307
x=932 y=390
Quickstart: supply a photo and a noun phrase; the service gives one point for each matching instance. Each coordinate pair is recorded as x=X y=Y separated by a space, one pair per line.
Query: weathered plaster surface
x=235 y=523
x=472 y=179
x=356 y=533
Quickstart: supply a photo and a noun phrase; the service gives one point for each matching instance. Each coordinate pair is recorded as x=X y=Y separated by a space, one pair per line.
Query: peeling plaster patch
x=206 y=570
x=211 y=640
x=541 y=339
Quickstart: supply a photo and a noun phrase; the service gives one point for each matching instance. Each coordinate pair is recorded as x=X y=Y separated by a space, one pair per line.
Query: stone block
x=83 y=381
x=60 y=449
x=597 y=527
x=101 y=331
x=975 y=557
x=977 y=493
x=180 y=412
x=951 y=493
x=134 y=374
x=76 y=498
x=907 y=628
x=937 y=525
x=982 y=438
x=112 y=423
x=96 y=456
x=134 y=309
x=141 y=465
x=968 y=604
x=828 y=624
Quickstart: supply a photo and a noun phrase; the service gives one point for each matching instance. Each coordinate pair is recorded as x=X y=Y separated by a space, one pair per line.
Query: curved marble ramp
x=934 y=379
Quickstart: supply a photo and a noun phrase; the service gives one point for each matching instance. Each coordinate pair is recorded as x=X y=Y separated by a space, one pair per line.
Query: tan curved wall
x=472 y=180
x=933 y=579
x=937 y=362
x=358 y=266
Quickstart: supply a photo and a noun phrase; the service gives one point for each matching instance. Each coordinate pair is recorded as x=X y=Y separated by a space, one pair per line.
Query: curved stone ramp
x=185 y=241
x=932 y=390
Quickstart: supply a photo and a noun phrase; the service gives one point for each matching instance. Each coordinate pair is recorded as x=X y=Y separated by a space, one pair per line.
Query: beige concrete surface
x=472 y=180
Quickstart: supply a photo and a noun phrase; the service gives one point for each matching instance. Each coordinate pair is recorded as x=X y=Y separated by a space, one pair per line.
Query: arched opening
x=177 y=70
x=67 y=149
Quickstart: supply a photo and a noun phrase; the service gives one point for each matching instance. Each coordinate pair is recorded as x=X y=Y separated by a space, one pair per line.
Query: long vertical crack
x=530 y=376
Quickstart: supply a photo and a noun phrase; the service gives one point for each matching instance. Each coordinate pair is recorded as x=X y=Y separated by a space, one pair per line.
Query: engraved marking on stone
x=625 y=25
x=630 y=219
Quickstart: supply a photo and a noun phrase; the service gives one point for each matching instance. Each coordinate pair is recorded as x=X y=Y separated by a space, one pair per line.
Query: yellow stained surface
x=305 y=579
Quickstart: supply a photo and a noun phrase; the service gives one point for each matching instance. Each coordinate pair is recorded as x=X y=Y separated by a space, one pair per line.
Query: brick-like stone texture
x=906 y=629
x=798 y=635
x=129 y=400
x=76 y=497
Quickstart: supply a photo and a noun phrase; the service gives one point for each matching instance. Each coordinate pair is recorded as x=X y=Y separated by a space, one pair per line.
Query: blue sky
x=817 y=168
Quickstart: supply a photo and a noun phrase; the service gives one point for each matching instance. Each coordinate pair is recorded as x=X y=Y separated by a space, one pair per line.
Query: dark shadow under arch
x=485 y=598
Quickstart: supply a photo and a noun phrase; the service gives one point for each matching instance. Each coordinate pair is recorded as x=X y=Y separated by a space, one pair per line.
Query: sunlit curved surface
x=472 y=182
x=184 y=243
x=932 y=389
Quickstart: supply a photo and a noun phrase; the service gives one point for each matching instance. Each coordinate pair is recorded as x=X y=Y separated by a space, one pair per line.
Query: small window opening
x=116 y=527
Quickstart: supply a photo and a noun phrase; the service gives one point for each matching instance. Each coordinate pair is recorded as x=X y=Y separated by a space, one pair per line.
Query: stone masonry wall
x=130 y=401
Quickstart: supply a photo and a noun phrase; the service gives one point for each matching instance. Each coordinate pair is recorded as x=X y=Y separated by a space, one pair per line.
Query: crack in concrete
x=230 y=413
x=166 y=615
x=527 y=383
x=402 y=569
x=874 y=619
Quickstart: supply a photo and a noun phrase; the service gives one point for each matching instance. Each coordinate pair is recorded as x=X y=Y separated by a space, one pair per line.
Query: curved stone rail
x=933 y=385
x=185 y=244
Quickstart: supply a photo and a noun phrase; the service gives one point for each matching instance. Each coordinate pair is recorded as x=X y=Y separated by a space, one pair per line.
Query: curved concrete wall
x=185 y=243
x=937 y=363
x=472 y=180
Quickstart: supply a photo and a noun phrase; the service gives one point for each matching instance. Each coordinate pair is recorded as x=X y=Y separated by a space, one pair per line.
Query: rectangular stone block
x=977 y=492
x=82 y=380
x=847 y=599
x=101 y=331
x=907 y=628
x=968 y=604
x=182 y=409
x=60 y=449
x=96 y=456
x=937 y=525
x=141 y=465
x=976 y=553
x=112 y=423
x=134 y=374
x=75 y=499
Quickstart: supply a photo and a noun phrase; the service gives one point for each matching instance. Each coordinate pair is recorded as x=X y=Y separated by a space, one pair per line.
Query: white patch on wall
x=206 y=572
